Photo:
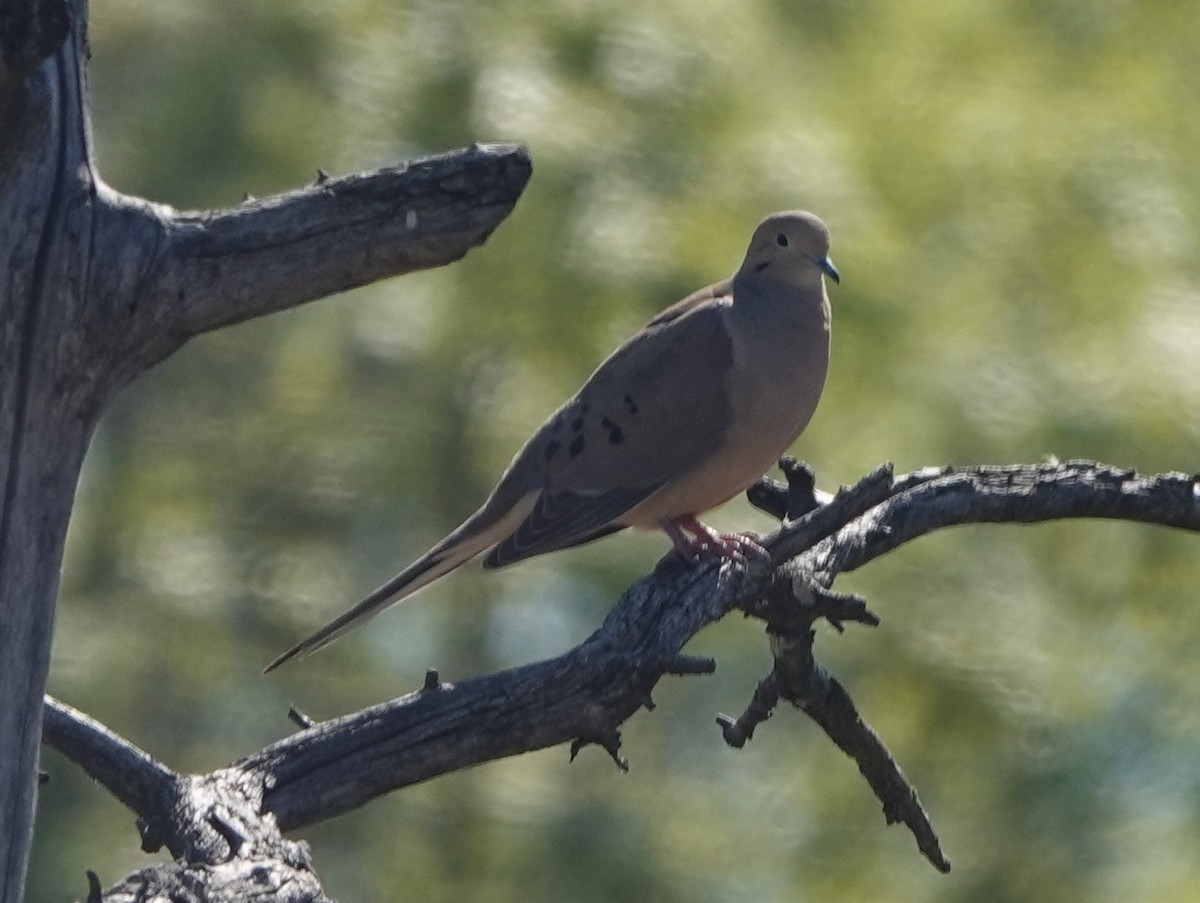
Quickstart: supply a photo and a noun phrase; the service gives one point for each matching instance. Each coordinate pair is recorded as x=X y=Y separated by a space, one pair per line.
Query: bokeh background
x=1014 y=193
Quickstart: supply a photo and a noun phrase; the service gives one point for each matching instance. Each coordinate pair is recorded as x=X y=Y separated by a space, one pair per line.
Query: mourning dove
x=681 y=418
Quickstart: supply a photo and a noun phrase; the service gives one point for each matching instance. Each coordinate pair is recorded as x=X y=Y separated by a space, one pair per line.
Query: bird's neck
x=781 y=304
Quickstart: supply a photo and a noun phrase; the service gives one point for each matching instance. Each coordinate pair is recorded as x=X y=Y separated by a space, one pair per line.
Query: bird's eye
x=781 y=240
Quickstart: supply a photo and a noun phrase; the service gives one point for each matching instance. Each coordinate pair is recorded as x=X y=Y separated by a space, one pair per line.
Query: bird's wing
x=561 y=520
x=650 y=414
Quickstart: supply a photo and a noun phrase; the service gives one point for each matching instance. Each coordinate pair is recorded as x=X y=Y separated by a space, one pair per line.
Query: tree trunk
x=48 y=399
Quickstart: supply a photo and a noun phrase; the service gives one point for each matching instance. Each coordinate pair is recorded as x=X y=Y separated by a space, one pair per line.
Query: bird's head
x=793 y=246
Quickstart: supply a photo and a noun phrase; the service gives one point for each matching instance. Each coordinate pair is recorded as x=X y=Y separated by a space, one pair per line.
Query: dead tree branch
x=583 y=696
x=213 y=268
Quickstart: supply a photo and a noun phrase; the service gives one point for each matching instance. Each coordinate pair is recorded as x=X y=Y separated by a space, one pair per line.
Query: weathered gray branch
x=178 y=274
x=585 y=695
x=139 y=781
x=935 y=498
x=214 y=268
x=211 y=823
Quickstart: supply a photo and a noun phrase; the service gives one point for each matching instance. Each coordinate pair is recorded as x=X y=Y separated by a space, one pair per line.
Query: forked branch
x=180 y=273
x=585 y=695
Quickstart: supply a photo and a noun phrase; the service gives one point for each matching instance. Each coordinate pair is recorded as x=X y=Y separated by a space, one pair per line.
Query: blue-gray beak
x=830 y=270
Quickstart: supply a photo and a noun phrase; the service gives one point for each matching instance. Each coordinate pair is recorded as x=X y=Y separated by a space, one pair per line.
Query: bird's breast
x=774 y=386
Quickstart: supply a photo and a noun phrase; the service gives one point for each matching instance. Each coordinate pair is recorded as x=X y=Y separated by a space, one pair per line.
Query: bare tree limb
x=583 y=696
x=224 y=266
x=951 y=496
x=212 y=824
x=138 y=780
x=181 y=274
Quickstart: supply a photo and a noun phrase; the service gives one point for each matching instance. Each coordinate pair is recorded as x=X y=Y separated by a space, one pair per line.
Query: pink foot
x=744 y=546
x=707 y=543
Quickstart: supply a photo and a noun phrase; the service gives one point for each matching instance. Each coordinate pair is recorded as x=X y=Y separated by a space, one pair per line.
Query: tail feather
x=419 y=574
x=480 y=532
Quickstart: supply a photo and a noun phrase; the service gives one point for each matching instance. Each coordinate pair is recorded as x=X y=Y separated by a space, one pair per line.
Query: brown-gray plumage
x=682 y=417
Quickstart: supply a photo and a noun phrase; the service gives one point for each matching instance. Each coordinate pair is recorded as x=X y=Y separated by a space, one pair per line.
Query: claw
x=705 y=543
x=744 y=546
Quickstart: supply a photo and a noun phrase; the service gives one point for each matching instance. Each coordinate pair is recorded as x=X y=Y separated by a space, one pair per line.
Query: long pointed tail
x=419 y=574
x=479 y=532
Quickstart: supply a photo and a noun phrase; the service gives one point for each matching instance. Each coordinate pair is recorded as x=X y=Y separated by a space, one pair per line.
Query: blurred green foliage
x=1014 y=195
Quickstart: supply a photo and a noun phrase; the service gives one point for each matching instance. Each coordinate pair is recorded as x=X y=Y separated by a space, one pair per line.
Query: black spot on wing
x=576 y=446
x=563 y=519
x=615 y=434
x=552 y=448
